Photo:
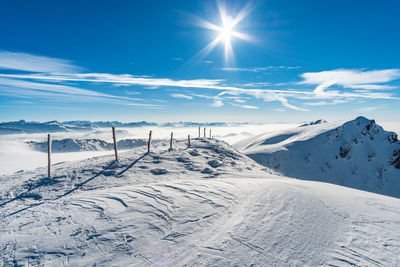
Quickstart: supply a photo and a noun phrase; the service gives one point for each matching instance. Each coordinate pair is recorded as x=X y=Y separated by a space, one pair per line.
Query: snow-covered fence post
x=189 y=139
x=170 y=143
x=199 y=132
x=204 y=132
x=148 y=143
x=48 y=154
x=210 y=133
x=115 y=144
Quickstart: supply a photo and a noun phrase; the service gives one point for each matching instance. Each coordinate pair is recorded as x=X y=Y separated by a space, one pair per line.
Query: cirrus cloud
x=351 y=78
x=34 y=63
x=51 y=75
x=182 y=96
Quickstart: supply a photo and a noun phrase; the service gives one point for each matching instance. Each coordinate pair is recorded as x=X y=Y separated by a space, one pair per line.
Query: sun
x=226 y=34
x=226 y=31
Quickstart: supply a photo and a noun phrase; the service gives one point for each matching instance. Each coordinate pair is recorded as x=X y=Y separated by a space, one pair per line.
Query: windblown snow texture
x=204 y=205
x=358 y=154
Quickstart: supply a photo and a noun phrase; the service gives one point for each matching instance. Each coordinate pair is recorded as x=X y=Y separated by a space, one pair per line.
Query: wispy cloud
x=258 y=84
x=325 y=103
x=268 y=95
x=249 y=107
x=132 y=93
x=35 y=63
x=245 y=106
x=119 y=78
x=350 y=84
x=68 y=98
x=217 y=100
x=27 y=89
x=151 y=87
x=265 y=84
x=56 y=88
x=237 y=99
x=259 y=69
x=351 y=78
x=354 y=84
x=217 y=103
x=182 y=96
x=279 y=109
x=368 y=109
x=159 y=100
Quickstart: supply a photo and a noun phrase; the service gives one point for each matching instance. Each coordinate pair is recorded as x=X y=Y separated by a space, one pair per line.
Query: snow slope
x=358 y=154
x=204 y=205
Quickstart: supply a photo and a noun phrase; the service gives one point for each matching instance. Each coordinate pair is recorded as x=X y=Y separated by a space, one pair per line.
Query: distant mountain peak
x=22 y=126
x=320 y=121
x=358 y=154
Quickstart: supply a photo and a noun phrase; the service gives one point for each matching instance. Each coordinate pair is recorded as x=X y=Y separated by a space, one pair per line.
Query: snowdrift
x=204 y=205
x=358 y=154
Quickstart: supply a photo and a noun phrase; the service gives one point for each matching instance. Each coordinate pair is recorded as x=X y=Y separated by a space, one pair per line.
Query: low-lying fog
x=16 y=154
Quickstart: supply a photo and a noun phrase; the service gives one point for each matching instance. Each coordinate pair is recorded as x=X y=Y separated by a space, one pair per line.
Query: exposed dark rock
x=313 y=123
x=392 y=138
x=396 y=159
x=344 y=152
x=370 y=125
x=371 y=156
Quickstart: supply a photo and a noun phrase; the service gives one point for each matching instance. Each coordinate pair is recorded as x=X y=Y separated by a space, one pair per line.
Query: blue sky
x=271 y=61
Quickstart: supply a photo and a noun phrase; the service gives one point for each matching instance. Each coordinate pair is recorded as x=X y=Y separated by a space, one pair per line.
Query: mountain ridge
x=358 y=154
x=22 y=126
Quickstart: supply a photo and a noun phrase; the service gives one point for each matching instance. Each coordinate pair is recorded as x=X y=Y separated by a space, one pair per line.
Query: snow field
x=207 y=205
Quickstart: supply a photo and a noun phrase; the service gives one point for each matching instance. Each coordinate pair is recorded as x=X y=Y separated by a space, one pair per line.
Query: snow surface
x=204 y=205
x=358 y=154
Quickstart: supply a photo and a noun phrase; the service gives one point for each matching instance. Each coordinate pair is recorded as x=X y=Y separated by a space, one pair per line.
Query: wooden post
x=210 y=133
x=204 y=132
x=148 y=143
x=199 y=132
x=48 y=155
x=170 y=143
x=115 y=144
x=189 y=139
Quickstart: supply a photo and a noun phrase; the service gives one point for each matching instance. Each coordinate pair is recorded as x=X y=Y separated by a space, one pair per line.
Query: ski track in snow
x=206 y=205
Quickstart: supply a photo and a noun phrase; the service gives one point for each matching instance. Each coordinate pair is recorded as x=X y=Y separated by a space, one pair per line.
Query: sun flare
x=226 y=31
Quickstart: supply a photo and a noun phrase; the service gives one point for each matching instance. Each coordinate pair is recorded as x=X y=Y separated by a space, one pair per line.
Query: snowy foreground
x=203 y=205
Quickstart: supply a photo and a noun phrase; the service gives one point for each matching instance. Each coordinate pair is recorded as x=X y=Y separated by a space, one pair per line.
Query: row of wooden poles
x=115 y=146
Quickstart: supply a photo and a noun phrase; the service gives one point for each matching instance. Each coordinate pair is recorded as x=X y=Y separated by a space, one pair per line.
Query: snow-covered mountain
x=313 y=123
x=358 y=154
x=204 y=205
x=22 y=126
x=19 y=127
x=75 y=145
